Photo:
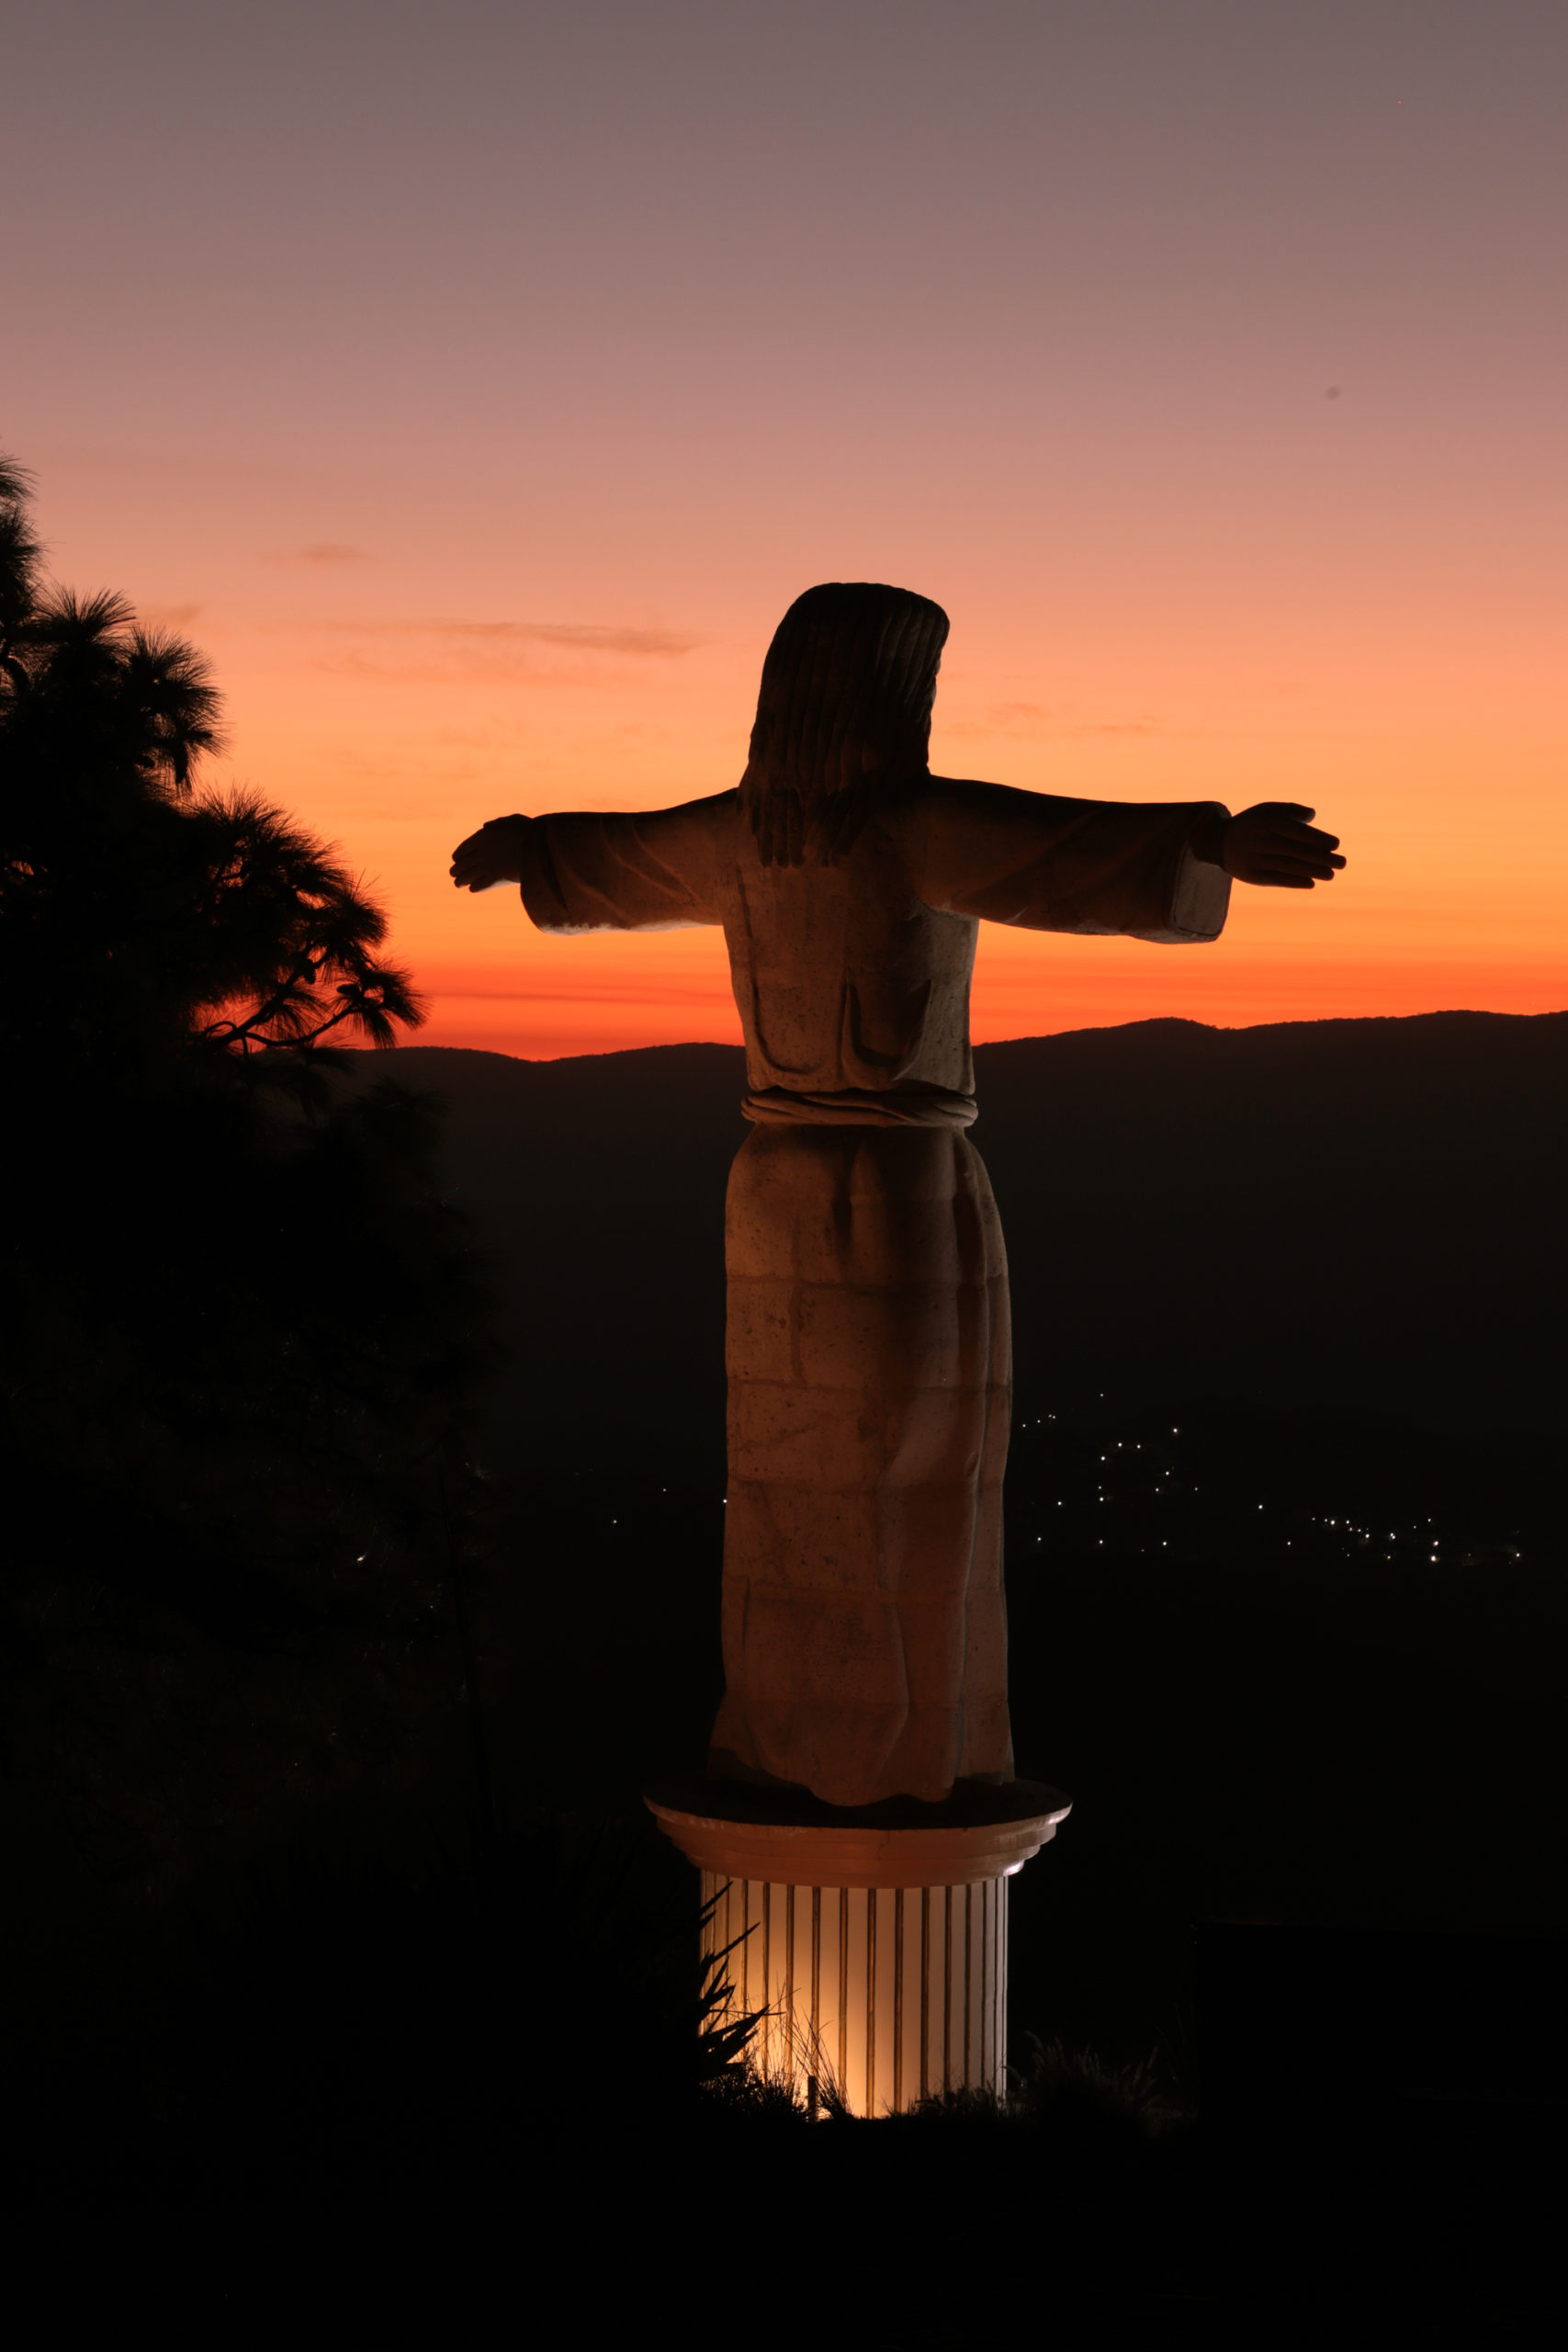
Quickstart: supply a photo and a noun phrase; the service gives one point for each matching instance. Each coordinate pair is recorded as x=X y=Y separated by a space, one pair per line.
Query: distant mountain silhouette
x=1418 y=1167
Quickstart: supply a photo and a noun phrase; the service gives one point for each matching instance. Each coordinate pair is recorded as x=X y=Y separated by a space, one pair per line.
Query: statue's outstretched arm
x=1158 y=870
x=1140 y=869
x=603 y=870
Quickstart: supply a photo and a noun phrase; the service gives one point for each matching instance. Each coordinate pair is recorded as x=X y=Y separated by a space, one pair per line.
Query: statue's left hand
x=492 y=856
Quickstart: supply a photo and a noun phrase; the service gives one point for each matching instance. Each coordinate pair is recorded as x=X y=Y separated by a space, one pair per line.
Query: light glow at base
x=878 y=1996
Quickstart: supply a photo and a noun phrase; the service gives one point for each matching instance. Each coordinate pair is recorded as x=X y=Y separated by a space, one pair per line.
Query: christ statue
x=868 y=1341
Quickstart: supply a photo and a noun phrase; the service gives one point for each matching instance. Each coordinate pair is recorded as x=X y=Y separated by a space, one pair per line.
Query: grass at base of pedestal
x=1055 y=2087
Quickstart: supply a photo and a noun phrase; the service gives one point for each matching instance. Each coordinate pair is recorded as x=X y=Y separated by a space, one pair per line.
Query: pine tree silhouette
x=240 y=1327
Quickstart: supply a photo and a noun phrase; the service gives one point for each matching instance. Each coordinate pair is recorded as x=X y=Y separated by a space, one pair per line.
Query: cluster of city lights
x=1149 y=1496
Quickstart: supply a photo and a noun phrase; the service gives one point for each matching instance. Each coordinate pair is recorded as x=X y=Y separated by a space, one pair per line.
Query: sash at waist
x=861 y=1106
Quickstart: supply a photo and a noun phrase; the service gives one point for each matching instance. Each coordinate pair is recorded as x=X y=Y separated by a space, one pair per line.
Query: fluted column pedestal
x=872 y=1942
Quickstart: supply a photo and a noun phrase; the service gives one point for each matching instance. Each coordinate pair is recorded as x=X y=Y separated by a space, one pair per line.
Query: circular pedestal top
x=788 y=1837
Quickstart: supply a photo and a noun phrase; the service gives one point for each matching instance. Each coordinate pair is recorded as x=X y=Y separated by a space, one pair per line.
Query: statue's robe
x=867 y=1345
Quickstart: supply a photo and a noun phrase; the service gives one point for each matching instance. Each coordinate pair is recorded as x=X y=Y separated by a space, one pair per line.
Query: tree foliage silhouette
x=140 y=913
x=240 y=1326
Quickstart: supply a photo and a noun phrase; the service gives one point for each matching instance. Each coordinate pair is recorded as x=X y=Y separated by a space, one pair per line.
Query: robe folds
x=867 y=1333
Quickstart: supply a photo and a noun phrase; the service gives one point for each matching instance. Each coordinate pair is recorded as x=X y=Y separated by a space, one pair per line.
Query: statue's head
x=845 y=707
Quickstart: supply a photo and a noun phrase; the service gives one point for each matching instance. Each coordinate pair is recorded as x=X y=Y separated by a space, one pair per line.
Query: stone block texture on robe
x=869 y=1362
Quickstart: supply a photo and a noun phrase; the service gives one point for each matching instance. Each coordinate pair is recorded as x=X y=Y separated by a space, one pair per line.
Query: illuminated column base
x=879 y=1969
x=878 y=1996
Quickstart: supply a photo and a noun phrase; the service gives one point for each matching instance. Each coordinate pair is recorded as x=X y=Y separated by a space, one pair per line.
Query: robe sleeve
x=1117 y=866
x=647 y=870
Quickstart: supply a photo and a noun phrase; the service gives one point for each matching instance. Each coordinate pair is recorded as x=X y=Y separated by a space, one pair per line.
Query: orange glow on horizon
x=633 y=1009
x=1436 y=796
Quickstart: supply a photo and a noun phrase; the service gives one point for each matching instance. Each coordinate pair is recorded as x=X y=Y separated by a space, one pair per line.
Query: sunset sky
x=478 y=383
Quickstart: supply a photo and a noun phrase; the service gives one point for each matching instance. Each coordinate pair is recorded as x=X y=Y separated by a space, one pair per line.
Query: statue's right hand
x=492 y=856
x=1277 y=846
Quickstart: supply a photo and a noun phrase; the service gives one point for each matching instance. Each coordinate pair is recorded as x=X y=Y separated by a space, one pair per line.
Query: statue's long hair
x=845 y=709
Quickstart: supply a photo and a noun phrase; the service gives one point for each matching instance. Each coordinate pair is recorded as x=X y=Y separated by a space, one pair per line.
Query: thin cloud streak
x=326 y=552
x=452 y=652
x=586 y=637
x=625 y=993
